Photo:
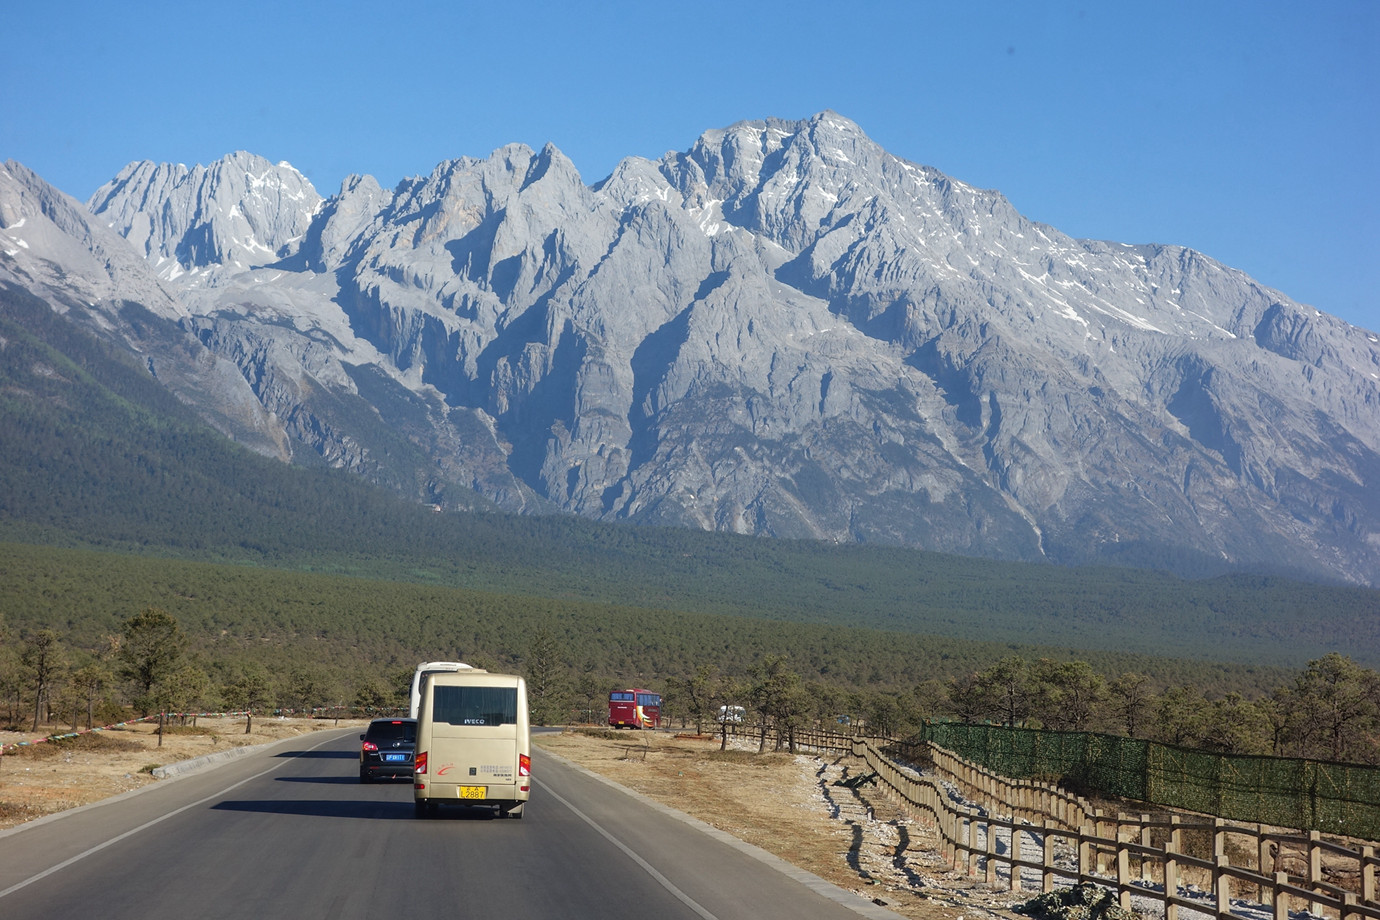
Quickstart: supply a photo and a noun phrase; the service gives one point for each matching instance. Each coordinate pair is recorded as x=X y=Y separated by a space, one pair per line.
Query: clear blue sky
x=1248 y=130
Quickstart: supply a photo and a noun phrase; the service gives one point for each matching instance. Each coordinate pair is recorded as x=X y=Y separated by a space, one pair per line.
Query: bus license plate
x=474 y=792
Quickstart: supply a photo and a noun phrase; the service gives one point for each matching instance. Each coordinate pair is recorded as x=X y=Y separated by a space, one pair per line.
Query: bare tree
x=1129 y=697
x=11 y=684
x=1333 y=702
x=184 y=691
x=970 y=697
x=885 y=715
x=90 y=681
x=1181 y=716
x=248 y=690
x=1067 y=694
x=1010 y=689
x=42 y=657
x=775 y=697
x=701 y=694
x=928 y=698
x=178 y=692
x=1236 y=725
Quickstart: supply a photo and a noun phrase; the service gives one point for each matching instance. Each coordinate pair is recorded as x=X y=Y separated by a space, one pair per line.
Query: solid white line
x=647 y=867
x=849 y=899
x=130 y=833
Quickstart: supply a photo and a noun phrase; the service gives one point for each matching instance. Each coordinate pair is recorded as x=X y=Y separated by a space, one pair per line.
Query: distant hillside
x=94 y=454
x=293 y=620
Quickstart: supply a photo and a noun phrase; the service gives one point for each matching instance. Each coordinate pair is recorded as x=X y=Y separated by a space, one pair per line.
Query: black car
x=387 y=749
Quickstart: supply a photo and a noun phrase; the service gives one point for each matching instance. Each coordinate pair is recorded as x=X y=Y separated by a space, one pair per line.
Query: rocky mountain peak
x=784 y=330
x=240 y=212
x=53 y=245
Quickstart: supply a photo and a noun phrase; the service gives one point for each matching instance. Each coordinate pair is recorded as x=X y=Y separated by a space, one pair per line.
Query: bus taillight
x=524 y=765
x=419 y=764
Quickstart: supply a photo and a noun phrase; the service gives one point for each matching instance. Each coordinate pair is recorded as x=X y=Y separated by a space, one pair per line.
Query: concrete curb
x=193 y=764
x=171 y=771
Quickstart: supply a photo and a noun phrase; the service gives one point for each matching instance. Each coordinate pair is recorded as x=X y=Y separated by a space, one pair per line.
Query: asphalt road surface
x=288 y=831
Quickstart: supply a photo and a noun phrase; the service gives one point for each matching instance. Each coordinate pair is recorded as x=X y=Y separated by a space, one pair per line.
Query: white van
x=425 y=668
x=474 y=742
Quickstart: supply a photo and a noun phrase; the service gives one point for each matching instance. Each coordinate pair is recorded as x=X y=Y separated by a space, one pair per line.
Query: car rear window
x=393 y=731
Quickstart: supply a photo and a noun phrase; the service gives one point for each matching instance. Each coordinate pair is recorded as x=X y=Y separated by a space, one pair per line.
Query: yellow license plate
x=474 y=792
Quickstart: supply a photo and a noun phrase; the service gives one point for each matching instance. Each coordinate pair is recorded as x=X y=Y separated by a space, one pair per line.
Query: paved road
x=289 y=832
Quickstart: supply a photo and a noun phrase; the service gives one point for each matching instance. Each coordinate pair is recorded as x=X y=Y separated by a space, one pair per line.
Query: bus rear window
x=474 y=705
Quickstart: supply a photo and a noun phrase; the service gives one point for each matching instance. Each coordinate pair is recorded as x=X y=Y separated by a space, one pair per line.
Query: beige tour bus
x=474 y=743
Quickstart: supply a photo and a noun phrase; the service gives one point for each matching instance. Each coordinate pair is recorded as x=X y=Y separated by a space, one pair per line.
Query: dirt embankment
x=788 y=805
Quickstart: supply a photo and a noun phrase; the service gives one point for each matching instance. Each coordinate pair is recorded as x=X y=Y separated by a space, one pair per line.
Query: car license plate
x=473 y=792
x=395 y=758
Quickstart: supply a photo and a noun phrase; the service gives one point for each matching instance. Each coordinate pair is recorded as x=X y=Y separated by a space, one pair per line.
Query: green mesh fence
x=1304 y=794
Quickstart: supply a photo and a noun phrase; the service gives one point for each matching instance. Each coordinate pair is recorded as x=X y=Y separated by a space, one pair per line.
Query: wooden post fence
x=1075 y=842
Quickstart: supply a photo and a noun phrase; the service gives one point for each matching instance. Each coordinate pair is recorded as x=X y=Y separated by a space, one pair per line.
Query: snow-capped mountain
x=784 y=330
x=241 y=211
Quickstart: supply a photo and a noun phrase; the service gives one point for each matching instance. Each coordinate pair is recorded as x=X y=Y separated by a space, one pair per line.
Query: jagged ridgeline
x=783 y=331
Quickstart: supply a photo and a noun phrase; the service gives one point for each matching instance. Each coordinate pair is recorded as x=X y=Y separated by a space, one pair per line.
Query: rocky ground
x=789 y=805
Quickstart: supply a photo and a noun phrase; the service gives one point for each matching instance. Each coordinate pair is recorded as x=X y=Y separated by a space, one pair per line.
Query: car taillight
x=370 y=746
x=419 y=764
x=524 y=765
